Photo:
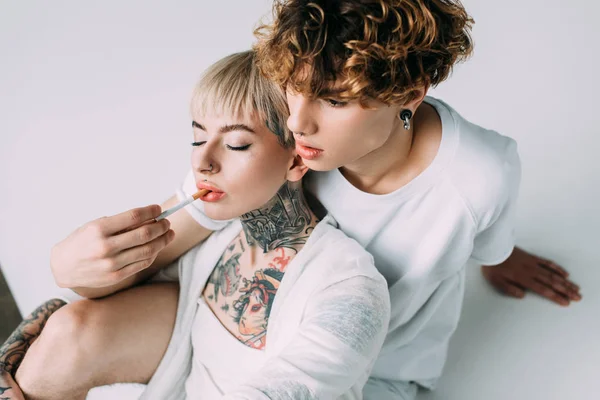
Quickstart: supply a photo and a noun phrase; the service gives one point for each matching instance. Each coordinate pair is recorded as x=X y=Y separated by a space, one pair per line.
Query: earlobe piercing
x=405 y=116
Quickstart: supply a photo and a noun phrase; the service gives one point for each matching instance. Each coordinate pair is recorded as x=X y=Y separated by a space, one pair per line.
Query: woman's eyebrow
x=226 y=128
x=236 y=127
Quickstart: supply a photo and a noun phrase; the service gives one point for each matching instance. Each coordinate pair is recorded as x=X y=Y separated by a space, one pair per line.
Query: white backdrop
x=94 y=120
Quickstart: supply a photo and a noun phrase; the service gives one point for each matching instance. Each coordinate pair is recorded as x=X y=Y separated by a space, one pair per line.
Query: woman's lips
x=307 y=152
x=214 y=195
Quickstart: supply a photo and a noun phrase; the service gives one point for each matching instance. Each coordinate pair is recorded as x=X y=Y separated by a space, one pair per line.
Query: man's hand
x=9 y=390
x=522 y=271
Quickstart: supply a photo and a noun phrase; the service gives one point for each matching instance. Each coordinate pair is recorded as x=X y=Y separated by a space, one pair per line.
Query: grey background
x=94 y=121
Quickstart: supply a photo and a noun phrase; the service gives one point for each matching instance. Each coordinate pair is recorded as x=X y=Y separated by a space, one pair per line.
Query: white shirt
x=421 y=236
x=326 y=326
x=220 y=361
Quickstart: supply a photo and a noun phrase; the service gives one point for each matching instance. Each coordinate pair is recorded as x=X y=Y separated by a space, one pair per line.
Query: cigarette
x=184 y=203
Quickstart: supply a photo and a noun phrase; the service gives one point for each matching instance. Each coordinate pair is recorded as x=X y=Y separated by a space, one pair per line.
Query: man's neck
x=402 y=158
x=284 y=221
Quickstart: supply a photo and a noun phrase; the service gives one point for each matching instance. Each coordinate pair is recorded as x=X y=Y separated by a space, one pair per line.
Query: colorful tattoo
x=244 y=306
x=254 y=306
x=226 y=275
x=280 y=262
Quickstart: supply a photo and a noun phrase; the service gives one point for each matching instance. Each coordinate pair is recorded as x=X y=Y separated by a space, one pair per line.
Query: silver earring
x=405 y=116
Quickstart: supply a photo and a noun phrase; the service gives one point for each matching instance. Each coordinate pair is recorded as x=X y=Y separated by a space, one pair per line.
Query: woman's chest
x=242 y=288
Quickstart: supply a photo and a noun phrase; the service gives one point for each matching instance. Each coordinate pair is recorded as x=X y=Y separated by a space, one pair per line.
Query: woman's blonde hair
x=235 y=86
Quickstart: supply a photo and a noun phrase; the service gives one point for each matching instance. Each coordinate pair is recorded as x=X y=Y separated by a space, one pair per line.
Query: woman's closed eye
x=239 y=148
x=234 y=148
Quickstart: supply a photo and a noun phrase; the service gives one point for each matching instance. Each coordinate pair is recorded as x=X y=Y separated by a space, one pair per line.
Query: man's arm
x=13 y=350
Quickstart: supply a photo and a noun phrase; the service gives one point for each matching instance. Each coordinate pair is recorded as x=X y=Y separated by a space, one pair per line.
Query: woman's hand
x=9 y=390
x=105 y=251
x=522 y=271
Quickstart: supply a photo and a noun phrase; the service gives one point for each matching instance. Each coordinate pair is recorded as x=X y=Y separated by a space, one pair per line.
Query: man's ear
x=297 y=170
x=419 y=94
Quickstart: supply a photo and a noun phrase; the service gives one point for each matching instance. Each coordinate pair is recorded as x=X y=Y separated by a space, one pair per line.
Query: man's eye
x=335 y=103
x=198 y=143
x=241 y=148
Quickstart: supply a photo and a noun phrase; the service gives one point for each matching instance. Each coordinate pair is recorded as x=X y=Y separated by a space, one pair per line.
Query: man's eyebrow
x=226 y=128
x=331 y=92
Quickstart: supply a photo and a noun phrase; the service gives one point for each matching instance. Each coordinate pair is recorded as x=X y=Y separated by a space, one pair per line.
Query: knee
x=66 y=331
x=58 y=356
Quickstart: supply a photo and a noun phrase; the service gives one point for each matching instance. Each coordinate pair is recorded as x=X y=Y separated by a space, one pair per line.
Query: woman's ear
x=297 y=170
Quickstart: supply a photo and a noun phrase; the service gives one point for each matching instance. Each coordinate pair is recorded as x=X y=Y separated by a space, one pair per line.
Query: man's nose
x=301 y=120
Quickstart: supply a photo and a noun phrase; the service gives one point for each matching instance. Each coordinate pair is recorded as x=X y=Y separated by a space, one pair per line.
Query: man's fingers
x=548 y=293
x=551 y=265
x=556 y=283
x=131 y=269
x=142 y=252
x=137 y=237
x=507 y=287
x=513 y=290
x=560 y=280
x=128 y=219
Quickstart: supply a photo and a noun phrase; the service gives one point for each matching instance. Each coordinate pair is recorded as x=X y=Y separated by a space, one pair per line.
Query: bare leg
x=90 y=343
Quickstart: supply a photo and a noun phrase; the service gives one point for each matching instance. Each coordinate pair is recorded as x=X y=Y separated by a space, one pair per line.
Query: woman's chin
x=219 y=213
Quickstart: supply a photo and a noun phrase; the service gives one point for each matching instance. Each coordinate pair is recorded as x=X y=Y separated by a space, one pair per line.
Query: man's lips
x=306 y=151
x=307 y=145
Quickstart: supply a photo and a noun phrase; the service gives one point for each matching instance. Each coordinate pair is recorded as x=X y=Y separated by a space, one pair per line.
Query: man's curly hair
x=379 y=49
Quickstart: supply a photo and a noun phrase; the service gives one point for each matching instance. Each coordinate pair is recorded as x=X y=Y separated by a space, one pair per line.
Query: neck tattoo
x=285 y=221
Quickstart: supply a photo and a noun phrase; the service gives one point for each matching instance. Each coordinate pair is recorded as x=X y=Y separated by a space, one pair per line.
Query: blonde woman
x=279 y=302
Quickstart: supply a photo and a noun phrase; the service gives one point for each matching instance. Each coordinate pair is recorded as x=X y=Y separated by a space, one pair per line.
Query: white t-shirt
x=421 y=236
x=220 y=360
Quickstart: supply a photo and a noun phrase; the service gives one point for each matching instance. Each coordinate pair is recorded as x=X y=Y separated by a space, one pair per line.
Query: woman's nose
x=300 y=121
x=205 y=159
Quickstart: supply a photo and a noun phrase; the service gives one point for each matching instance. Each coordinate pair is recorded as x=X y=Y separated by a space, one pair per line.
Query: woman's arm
x=339 y=339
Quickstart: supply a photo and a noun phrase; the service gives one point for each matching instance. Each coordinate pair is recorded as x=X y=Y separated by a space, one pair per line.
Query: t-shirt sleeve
x=496 y=238
x=196 y=209
x=338 y=341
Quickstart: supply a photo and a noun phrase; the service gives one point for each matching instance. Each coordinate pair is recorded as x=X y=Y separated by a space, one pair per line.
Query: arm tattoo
x=283 y=222
x=13 y=350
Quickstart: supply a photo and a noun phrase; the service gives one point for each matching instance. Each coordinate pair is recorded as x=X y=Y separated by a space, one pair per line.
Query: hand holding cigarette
x=108 y=250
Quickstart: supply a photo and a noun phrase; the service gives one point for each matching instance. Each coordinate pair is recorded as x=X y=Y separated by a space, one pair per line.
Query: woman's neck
x=284 y=221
